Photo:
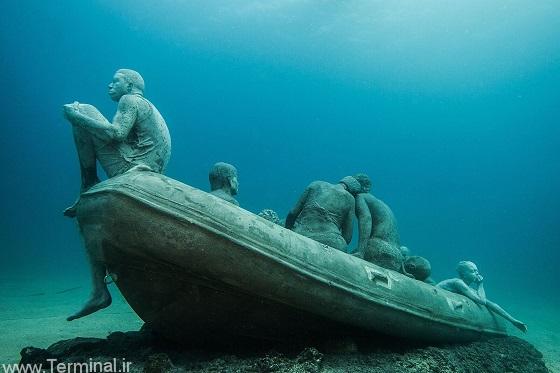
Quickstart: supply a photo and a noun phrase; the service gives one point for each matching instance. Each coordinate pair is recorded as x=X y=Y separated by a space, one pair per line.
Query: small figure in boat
x=470 y=285
x=419 y=268
x=378 y=240
x=223 y=182
x=324 y=212
x=137 y=138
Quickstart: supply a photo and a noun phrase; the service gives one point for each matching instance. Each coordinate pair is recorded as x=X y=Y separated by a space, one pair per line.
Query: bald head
x=134 y=78
x=465 y=266
x=223 y=175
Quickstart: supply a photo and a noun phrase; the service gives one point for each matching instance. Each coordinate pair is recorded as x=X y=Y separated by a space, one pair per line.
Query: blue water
x=452 y=108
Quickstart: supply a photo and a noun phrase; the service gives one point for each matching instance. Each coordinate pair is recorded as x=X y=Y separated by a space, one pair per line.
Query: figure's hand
x=520 y=325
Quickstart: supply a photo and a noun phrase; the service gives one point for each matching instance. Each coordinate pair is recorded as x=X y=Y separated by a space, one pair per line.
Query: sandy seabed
x=33 y=312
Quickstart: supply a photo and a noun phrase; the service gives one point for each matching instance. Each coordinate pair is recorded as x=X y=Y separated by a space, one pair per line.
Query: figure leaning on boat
x=470 y=285
x=324 y=212
x=137 y=138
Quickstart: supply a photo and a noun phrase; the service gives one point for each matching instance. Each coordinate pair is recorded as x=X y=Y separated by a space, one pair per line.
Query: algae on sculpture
x=137 y=138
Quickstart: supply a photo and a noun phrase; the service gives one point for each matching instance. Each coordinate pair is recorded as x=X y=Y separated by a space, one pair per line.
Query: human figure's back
x=324 y=212
x=148 y=141
x=384 y=223
x=379 y=241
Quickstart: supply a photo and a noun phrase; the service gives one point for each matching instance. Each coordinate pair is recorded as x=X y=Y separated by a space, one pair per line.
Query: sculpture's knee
x=383 y=254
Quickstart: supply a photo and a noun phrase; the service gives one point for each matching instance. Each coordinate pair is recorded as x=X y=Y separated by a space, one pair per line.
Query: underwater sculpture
x=223 y=182
x=324 y=212
x=137 y=138
x=470 y=285
x=378 y=240
x=138 y=135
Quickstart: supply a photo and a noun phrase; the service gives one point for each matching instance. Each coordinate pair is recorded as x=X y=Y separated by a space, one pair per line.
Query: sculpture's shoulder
x=379 y=207
x=317 y=184
x=316 y=187
x=129 y=99
x=133 y=102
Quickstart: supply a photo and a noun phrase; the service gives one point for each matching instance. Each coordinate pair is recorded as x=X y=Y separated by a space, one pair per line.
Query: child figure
x=470 y=285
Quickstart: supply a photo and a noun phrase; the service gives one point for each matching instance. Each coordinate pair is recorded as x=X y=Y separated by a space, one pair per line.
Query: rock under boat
x=191 y=264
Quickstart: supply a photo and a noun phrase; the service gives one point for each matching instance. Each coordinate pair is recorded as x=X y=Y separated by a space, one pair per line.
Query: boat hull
x=191 y=264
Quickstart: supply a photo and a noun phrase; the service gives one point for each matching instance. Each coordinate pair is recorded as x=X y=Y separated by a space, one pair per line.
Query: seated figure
x=470 y=285
x=324 y=212
x=223 y=182
x=137 y=138
x=379 y=240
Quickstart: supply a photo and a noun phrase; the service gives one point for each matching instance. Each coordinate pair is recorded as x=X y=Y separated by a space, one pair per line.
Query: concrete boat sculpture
x=192 y=264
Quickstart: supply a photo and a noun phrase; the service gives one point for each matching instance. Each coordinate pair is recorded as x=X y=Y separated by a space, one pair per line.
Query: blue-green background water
x=451 y=107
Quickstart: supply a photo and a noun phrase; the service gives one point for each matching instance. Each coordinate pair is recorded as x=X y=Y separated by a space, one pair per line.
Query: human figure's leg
x=85 y=148
x=100 y=297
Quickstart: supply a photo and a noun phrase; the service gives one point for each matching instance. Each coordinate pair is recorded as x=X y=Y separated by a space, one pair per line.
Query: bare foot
x=95 y=303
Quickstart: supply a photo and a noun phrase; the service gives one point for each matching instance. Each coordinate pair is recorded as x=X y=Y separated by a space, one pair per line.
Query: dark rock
x=158 y=363
x=32 y=355
x=76 y=346
x=150 y=355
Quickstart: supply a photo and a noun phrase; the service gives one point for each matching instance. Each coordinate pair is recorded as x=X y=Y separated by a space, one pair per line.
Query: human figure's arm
x=347 y=228
x=294 y=212
x=473 y=295
x=500 y=311
x=364 y=222
x=480 y=291
x=123 y=121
